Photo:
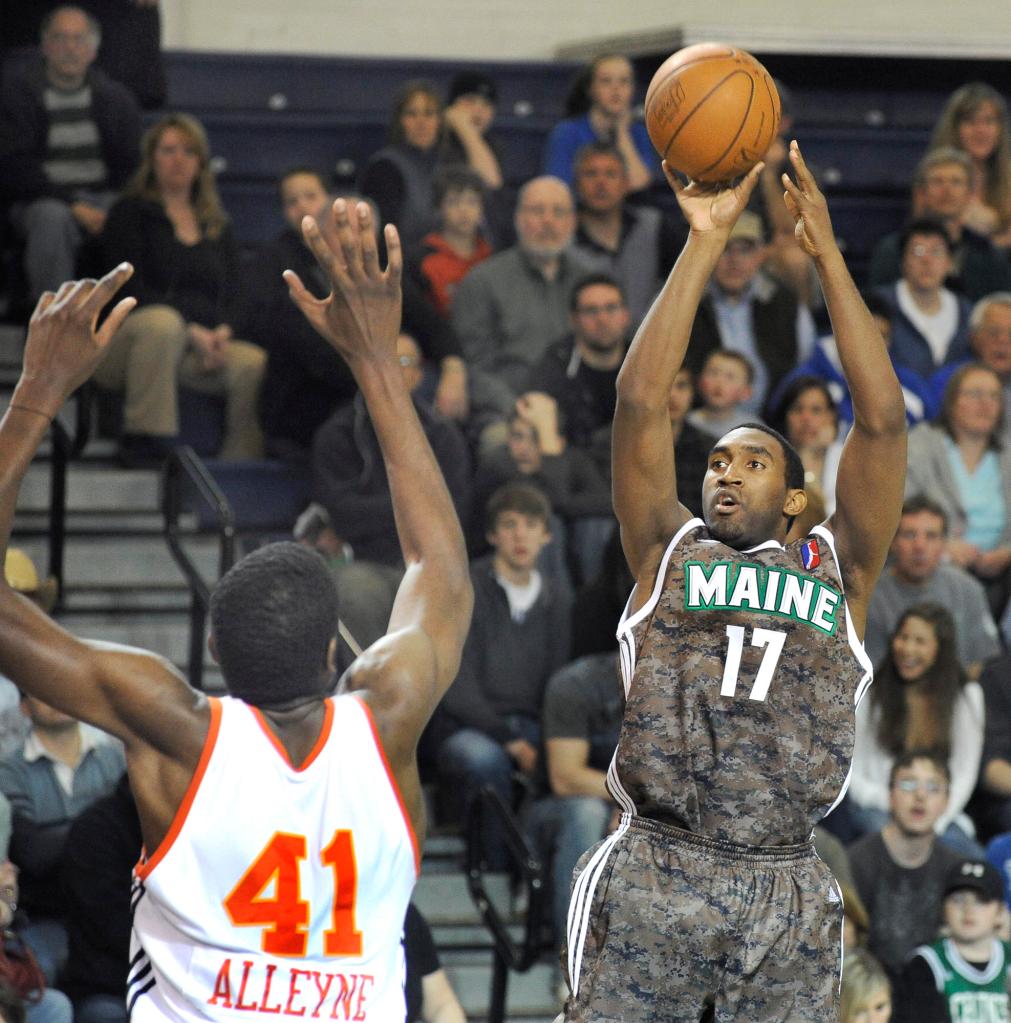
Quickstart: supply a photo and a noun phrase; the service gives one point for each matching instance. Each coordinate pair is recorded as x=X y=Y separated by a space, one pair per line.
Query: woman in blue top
x=600 y=106
x=959 y=461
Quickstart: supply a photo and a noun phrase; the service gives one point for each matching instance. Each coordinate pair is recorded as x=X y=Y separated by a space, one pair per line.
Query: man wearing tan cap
x=746 y=311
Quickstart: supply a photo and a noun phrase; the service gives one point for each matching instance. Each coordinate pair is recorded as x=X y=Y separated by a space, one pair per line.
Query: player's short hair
x=928 y=226
x=456 y=177
x=588 y=282
x=273 y=615
x=599 y=147
x=942 y=157
x=917 y=503
x=309 y=171
x=794 y=468
x=739 y=357
x=908 y=757
x=985 y=304
x=524 y=498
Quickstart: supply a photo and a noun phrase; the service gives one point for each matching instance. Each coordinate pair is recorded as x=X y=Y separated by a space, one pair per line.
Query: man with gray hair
x=69 y=140
x=942 y=188
x=511 y=307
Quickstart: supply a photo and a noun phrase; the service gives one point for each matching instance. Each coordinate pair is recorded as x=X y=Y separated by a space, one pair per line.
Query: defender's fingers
x=394 y=254
x=46 y=299
x=793 y=190
x=120 y=311
x=367 y=240
x=104 y=289
x=347 y=239
x=299 y=293
x=324 y=253
x=804 y=176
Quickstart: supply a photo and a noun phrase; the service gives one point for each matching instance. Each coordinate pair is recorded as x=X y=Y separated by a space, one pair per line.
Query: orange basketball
x=712 y=111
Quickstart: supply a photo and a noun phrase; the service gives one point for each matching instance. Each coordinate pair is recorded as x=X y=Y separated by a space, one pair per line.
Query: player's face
x=545 y=218
x=302 y=195
x=176 y=161
x=969 y=916
x=918 y=546
x=992 y=339
x=461 y=212
x=946 y=191
x=979 y=133
x=723 y=383
x=918 y=797
x=978 y=404
x=601 y=182
x=810 y=421
x=612 y=85
x=419 y=121
x=914 y=649
x=601 y=318
x=523 y=446
x=876 y=1009
x=518 y=539
x=682 y=394
x=926 y=262
x=737 y=266
x=744 y=495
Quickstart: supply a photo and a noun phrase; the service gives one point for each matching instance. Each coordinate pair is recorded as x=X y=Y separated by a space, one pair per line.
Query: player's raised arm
x=135 y=696
x=872 y=469
x=406 y=672
x=644 y=488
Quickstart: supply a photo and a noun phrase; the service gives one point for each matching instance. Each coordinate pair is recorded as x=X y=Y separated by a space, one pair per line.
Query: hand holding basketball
x=807 y=206
x=709 y=208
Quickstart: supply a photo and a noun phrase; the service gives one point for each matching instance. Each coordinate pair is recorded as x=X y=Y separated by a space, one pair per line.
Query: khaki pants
x=149 y=356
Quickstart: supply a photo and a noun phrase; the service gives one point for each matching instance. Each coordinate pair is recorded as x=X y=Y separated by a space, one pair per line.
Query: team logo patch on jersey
x=810 y=555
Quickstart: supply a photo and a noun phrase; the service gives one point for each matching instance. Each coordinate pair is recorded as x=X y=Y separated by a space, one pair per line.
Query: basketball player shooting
x=282 y=824
x=743 y=662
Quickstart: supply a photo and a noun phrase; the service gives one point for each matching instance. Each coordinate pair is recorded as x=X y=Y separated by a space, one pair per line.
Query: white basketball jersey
x=279 y=892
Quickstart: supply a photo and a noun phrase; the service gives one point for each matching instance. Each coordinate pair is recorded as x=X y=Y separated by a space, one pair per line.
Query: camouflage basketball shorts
x=665 y=925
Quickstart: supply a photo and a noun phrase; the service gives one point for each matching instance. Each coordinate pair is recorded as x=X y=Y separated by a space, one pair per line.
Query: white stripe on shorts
x=582 y=900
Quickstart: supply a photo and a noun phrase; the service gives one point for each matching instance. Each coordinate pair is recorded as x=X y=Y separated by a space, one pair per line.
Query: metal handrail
x=184 y=471
x=508 y=955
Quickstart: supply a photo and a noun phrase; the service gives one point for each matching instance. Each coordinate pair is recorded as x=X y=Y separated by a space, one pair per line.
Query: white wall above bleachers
x=537 y=29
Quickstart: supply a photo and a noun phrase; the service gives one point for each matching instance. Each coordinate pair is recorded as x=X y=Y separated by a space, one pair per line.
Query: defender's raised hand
x=361 y=315
x=713 y=207
x=807 y=206
x=63 y=346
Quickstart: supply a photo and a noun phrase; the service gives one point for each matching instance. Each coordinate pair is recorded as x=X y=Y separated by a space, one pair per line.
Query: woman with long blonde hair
x=975 y=120
x=171 y=226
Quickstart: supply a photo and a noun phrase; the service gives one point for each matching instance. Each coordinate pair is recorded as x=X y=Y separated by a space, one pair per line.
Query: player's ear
x=331 y=655
x=212 y=648
x=795 y=503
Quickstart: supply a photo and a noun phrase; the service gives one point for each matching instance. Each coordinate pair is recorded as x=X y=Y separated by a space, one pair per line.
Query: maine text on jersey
x=743 y=586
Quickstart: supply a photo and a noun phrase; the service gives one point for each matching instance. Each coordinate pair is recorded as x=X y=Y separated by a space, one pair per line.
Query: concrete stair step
x=94 y=487
x=530 y=996
x=445 y=898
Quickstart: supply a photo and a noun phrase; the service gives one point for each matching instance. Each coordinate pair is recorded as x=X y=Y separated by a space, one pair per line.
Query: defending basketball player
x=282 y=824
x=743 y=662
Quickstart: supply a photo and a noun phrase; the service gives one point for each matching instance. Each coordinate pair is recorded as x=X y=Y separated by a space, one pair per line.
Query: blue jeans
x=101 y=1009
x=55 y=1007
x=562 y=828
x=48 y=941
x=469 y=760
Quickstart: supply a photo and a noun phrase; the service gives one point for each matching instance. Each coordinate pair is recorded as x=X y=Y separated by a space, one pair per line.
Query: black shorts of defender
x=665 y=925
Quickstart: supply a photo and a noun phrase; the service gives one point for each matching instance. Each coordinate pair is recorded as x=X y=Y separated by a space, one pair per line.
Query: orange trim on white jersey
x=393 y=784
x=147 y=864
x=324 y=734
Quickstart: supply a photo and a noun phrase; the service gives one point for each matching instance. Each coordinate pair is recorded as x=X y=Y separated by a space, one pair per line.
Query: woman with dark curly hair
x=920 y=700
x=171 y=226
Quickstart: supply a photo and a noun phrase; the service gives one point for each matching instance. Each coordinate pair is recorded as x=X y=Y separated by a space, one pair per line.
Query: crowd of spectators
x=516 y=318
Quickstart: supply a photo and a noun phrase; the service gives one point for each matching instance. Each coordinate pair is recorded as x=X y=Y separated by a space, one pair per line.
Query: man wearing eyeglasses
x=900 y=871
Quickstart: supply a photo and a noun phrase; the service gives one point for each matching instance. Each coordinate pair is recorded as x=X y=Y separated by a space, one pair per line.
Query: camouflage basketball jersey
x=742 y=675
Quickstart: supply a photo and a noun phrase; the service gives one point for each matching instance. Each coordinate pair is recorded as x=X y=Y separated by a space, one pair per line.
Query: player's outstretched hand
x=361 y=315
x=713 y=207
x=807 y=206
x=63 y=346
